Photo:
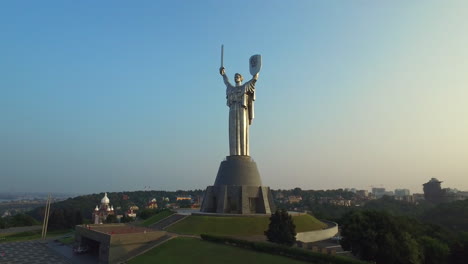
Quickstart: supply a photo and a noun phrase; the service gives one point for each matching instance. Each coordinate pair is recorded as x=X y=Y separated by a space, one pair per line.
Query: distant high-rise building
x=402 y=192
x=362 y=193
x=378 y=192
x=433 y=191
x=417 y=197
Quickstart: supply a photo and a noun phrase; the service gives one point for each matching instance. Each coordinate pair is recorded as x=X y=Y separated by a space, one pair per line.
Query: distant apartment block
x=417 y=197
x=402 y=192
x=378 y=192
x=434 y=193
x=362 y=193
x=405 y=198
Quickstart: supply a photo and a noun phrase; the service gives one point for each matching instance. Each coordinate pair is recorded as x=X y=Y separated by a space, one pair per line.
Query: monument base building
x=116 y=243
x=238 y=189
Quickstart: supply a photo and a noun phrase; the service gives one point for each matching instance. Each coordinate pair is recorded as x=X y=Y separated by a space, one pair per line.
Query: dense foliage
x=459 y=249
x=398 y=231
x=385 y=238
x=17 y=220
x=281 y=229
x=67 y=218
x=111 y=219
x=396 y=207
x=453 y=216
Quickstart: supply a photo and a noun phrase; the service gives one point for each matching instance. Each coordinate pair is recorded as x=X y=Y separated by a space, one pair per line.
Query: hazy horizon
x=112 y=96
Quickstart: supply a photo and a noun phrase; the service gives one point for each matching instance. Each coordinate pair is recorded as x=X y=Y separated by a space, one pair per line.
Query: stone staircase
x=166 y=222
x=141 y=250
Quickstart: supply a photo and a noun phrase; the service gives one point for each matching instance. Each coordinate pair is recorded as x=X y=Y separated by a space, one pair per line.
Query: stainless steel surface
x=255 y=64
x=222 y=56
x=240 y=100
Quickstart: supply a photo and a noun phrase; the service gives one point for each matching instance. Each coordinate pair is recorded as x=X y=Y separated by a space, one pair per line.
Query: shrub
x=281 y=229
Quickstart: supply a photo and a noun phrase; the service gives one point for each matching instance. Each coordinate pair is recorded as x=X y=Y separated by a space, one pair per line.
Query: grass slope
x=30 y=235
x=238 y=226
x=156 y=218
x=190 y=250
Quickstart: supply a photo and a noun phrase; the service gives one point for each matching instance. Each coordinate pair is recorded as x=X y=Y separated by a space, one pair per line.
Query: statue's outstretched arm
x=255 y=77
x=222 y=71
x=252 y=81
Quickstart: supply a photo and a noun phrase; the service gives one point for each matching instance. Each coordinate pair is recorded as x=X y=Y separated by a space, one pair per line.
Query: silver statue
x=240 y=99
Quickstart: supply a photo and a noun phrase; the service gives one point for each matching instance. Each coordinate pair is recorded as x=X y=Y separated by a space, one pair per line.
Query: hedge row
x=291 y=252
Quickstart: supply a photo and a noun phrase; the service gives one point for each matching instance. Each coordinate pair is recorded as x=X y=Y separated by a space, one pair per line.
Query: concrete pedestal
x=238 y=189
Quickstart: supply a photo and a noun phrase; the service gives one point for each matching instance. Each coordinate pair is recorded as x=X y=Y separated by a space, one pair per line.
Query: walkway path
x=168 y=221
x=67 y=252
x=31 y=252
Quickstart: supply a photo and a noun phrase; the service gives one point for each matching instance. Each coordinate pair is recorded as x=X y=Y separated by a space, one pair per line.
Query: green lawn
x=30 y=235
x=191 y=250
x=156 y=218
x=238 y=226
x=67 y=240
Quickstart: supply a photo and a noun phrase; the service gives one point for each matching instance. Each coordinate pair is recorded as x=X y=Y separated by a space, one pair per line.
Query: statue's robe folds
x=240 y=100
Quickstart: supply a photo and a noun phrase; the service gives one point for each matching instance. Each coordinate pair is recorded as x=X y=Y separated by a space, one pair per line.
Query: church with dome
x=101 y=212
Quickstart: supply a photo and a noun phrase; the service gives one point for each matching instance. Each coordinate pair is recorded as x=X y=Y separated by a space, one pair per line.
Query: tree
x=459 y=249
x=281 y=229
x=111 y=219
x=126 y=219
x=3 y=223
x=297 y=191
x=380 y=237
x=77 y=218
x=57 y=219
x=22 y=220
x=435 y=251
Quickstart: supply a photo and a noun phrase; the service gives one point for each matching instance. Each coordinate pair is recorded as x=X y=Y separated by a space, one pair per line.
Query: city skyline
x=115 y=96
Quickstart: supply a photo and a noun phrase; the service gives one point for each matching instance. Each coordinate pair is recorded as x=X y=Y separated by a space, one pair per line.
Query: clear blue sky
x=118 y=95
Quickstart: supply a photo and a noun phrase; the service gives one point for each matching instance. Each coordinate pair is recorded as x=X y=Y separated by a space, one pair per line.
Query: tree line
x=17 y=221
x=384 y=238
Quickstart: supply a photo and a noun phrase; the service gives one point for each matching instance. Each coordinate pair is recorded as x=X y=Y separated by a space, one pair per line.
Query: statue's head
x=238 y=78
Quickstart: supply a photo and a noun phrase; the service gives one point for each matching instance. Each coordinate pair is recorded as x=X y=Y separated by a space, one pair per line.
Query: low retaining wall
x=318 y=235
x=244 y=215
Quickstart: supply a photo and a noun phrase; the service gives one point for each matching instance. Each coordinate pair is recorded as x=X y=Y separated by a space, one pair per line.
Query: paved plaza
x=31 y=252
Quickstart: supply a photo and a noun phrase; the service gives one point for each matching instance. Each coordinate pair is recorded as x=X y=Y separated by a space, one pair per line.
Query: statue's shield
x=255 y=63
